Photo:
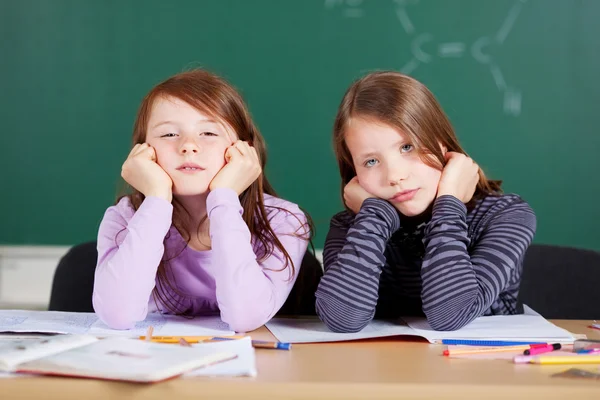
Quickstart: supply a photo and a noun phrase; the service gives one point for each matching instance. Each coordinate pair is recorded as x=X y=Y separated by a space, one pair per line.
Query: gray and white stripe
x=454 y=268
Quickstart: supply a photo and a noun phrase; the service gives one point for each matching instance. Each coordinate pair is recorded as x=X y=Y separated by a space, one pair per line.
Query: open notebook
x=524 y=327
x=112 y=359
x=21 y=321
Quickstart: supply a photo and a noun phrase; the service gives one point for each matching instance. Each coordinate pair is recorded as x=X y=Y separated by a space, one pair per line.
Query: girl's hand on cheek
x=242 y=168
x=355 y=195
x=141 y=171
x=459 y=177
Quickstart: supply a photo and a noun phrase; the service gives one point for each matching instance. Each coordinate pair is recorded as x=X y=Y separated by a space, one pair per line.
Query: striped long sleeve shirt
x=453 y=268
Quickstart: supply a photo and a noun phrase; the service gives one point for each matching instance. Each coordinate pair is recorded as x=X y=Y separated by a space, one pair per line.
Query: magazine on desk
x=120 y=359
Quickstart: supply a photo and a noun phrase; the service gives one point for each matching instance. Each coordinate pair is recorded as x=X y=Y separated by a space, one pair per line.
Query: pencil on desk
x=149 y=333
x=262 y=344
x=259 y=344
x=189 y=339
x=574 y=359
x=466 y=350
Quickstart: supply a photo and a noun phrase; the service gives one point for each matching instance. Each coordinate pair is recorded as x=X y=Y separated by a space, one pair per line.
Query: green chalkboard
x=519 y=80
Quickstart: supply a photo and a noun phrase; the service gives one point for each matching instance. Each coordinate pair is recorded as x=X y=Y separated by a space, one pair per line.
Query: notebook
x=25 y=321
x=523 y=327
x=119 y=359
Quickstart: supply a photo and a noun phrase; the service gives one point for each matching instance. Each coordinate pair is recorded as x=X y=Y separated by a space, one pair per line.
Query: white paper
x=14 y=352
x=497 y=327
x=5 y=375
x=88 y=323
x=312 y=330
x=523 y=327
x=126 y=359
x=243 y=365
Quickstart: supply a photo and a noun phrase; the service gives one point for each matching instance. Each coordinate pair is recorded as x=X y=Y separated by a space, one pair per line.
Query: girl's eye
x=370 y=163
x=207 y=134
x=169 y=135
x=405 y=148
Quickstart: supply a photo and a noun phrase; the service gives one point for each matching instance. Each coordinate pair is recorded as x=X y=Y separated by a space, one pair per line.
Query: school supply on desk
x=189 y=339
x=520 y=328
x=542 y=349
x=112 y=359
x=262 y=344
x=572 y=359
x=588 y=351
x=243 y=365
x=259 y=344
x=488 y=343
x=22 y=321
x=454 y=350
x=585 y=344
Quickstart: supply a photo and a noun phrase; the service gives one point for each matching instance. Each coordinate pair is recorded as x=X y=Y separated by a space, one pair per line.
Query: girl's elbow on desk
x=114 y=317
x=341 y=326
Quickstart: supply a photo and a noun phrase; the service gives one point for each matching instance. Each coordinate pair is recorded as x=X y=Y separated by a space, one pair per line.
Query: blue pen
x=588 y=351
x=495 y=343
x=263 y=344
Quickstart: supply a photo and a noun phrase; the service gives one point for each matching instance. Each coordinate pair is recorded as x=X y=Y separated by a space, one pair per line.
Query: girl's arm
x=462 y=280
x=353 y=258
x=130 y=248
x=249 y=292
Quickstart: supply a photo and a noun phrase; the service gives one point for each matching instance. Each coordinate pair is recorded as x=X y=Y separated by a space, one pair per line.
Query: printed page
x=88 y=323
x=312 y=330
x=14 y=352
x=126 y=359
x=521 y=327
x=243 y=365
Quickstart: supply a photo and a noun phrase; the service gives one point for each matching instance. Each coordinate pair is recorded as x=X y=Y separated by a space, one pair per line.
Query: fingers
x=133 y=150
x=244 y=149
x=143 y=148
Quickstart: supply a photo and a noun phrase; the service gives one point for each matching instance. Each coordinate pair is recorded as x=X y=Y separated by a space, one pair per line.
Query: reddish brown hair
x=215 y=97
x=407 y=105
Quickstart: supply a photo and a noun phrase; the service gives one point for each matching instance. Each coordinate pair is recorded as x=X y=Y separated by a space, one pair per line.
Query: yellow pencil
x=575 y=359
x=466 y=350
x=189 y=339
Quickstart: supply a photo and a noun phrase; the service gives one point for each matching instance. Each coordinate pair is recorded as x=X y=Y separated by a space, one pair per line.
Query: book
x=121 y=359
x=243 y=365
x=529 y=327
x=26 y=321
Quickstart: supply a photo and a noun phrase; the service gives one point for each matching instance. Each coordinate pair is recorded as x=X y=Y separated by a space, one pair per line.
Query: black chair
x=561 y=282
x=73 y=283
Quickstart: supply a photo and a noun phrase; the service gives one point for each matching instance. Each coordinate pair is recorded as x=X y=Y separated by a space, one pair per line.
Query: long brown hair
x=407 y=105
x=213 y=96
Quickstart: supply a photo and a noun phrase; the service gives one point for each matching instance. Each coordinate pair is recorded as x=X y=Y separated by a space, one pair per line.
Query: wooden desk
x=378 y=368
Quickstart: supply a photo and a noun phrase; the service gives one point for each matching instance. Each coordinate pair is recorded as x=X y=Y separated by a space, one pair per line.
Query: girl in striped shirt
x=424 y=231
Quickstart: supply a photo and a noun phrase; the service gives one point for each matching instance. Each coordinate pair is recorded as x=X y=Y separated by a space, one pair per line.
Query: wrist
x=161 y=194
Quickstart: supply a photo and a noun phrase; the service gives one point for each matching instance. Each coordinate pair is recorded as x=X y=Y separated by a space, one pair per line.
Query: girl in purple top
x=202 y=231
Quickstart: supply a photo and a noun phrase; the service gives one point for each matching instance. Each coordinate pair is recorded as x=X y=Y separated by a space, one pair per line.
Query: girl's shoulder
x=278 y=208
x=502 y=206
x=123 y=209
x=495 y=203
x=343 y=219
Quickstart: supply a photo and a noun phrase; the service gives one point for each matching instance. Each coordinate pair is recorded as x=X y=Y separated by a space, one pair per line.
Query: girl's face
x=190 y=146
x=388 y=166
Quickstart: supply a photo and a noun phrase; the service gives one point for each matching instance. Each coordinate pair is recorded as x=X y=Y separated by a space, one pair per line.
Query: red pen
x=540 y=350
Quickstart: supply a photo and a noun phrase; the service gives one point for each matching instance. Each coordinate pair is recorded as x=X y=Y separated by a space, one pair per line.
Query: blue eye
x=406 y=148
x=370 y=163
